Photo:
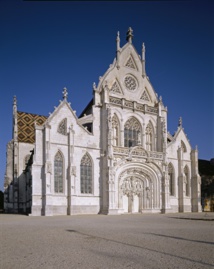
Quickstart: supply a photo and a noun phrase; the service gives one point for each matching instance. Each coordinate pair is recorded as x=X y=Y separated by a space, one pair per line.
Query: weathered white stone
x=158 y=172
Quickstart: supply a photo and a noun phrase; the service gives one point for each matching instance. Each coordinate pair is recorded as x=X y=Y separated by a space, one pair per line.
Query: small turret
x=143 y=60
x=15 y=126
x=118 y=49
x=180 y=122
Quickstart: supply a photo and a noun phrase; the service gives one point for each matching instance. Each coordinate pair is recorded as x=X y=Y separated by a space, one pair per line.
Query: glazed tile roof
x=26 y=129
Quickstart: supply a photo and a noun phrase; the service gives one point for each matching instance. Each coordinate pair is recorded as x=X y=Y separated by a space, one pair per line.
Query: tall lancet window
x=115 y=130
x=58 y=173
x=186 y=172
x=171 y=180
x=132 y=132
x=149 y=137
x=86 y=174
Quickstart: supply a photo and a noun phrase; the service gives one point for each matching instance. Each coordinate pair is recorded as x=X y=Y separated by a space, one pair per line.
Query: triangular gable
x=130 y=63
x=145 y=96
x=180 y=136
x=116 y=88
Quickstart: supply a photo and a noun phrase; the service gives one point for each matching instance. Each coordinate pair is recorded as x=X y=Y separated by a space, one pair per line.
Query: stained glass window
x=86 y=174
x=58 y=173
x=132 y=132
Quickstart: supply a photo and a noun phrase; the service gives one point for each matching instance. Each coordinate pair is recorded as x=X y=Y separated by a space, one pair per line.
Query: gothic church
x=116 y=157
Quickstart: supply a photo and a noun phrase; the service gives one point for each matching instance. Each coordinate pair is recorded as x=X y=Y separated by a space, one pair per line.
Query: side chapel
x=116 y=157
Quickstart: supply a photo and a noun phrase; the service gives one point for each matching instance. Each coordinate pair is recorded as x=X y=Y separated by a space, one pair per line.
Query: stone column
x=195 y=183
x=47 y=187
x=71 y=169
x=181 y=183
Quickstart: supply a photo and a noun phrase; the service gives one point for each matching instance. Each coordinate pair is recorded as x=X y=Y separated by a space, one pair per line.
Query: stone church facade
x=117 y=157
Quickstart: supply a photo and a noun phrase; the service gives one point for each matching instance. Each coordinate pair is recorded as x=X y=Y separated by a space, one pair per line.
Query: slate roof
x=26 y=129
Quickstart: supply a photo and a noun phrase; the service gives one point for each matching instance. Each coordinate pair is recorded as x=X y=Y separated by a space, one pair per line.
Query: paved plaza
x=102 y=242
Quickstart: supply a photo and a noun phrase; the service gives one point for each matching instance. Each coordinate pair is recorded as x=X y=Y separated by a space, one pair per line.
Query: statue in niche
x=139 y=139
x=147 y=193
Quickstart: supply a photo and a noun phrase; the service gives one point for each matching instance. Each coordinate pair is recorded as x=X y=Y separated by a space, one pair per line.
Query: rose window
x=130 y=83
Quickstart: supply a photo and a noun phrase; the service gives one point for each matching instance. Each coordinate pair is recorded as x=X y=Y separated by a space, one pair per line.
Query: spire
x=14 y=105
x=15 y=127
x=118 y=49
x=129 y=35
x=65 y=93
x=143 y=60
x=118 y=40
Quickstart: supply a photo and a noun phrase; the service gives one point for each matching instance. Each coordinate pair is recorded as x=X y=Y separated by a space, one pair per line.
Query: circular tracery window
x=130 y=83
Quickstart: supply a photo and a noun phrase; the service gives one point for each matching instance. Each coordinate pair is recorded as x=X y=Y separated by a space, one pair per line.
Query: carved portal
x=138 y=190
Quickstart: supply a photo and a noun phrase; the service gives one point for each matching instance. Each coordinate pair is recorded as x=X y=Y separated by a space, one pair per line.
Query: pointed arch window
x=171 y=178
x=58 y=173
x=62 y=128
x=115 y=129
x=86 y=174
x=183 y=146
x=132 y=132
x=187 y=185
x=149 y=137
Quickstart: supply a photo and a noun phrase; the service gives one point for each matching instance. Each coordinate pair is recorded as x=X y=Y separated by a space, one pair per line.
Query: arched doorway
x=138 y=190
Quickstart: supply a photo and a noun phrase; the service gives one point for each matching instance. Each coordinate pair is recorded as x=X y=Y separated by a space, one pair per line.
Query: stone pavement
x=194 y=216
x=138 y=241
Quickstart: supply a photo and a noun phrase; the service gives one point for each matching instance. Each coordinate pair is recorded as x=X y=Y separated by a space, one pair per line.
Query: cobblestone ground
x=103 y=242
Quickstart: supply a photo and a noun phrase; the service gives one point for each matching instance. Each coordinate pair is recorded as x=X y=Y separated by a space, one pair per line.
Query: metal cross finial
x=65 y=93
x=14 y=100
x=180 y=121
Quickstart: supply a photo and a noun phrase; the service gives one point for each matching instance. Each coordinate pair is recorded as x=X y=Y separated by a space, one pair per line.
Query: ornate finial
x=196 y=148
x=180 y=122
x=129 y=35
x=118 y=35
x=160 y=98
x=65 y=93
x=94 y=86
x=143 y=60
x=14 y=100
x=143 y=51
x=118 y=40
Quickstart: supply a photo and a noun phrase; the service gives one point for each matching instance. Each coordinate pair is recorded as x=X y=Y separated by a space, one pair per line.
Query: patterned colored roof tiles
x=26 y=129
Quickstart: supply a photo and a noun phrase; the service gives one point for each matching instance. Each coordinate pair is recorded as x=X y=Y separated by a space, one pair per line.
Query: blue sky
x=48 y=45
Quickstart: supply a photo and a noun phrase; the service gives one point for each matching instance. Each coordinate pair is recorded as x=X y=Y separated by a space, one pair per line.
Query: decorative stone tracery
x=132 y=129
x=132 y=185
x=139 y=189
x=62 y=128
x=115 y=88
x=130 y=83
x=144 y=96
x=130 y=63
